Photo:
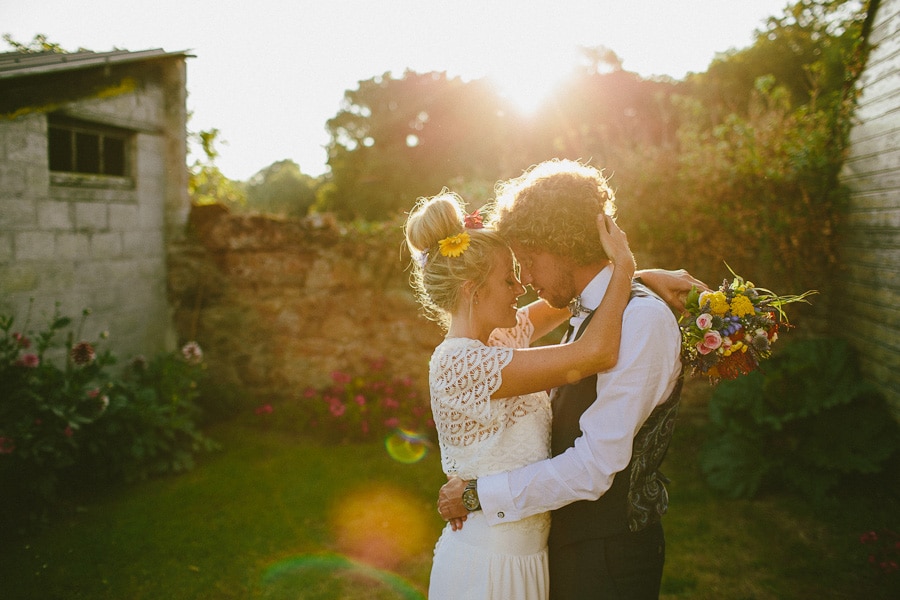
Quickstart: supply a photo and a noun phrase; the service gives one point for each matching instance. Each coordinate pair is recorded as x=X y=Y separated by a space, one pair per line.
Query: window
x=81 y=147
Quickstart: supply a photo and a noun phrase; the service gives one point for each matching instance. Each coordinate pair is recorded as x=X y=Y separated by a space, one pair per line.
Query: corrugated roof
x=22 y=64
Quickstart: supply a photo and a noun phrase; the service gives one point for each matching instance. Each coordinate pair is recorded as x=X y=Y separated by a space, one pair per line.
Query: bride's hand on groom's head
x=615 y=242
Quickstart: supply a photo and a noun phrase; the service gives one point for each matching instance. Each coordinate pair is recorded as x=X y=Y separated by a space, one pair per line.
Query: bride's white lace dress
x=479 y=436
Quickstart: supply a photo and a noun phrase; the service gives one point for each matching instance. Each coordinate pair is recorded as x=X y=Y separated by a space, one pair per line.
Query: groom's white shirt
x=645 y=375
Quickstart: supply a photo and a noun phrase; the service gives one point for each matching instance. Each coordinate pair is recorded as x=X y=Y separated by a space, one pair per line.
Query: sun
x=528 y=86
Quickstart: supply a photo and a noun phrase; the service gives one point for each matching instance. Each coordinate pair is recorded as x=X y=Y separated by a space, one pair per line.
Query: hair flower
x=454 y=245
x=421 y=258
x=474 y=221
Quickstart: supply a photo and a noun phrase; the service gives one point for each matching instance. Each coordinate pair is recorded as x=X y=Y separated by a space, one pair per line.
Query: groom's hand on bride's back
x=450 y=505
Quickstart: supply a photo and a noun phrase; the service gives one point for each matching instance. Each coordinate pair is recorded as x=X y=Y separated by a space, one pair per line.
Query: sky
x=269 y=73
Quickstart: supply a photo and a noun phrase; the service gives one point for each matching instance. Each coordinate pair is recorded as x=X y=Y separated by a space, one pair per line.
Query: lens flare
x=406 y=446
x=381 y=525
x=333 y=576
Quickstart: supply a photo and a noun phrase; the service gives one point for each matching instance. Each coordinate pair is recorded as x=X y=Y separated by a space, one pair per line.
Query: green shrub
x=64 y=415
x=803 y=422
x=150 y=425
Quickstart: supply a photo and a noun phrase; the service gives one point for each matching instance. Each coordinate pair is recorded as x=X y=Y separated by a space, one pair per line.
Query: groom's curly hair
x=552 y=207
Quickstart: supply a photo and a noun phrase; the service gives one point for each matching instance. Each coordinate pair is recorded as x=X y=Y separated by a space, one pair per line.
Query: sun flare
x=528 y=86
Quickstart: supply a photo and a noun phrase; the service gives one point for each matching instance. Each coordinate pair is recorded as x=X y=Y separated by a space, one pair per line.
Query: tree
x=40 y=43
x=755 y=180
x=805 y=50
x=602 y=110
x=398 y=139
x=281 y=188
x=206 y=183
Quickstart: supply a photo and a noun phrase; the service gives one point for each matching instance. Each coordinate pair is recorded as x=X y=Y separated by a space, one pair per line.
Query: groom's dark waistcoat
x=637 y=497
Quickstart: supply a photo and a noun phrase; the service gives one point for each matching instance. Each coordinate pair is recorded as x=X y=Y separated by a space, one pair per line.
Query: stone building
x=870 y=254
x=93 y=187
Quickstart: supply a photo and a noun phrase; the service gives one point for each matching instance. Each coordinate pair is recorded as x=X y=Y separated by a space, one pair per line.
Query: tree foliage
x=206 y=183
x=281 y=188
x=754 y=179
x=397 y=139
x=40 y=43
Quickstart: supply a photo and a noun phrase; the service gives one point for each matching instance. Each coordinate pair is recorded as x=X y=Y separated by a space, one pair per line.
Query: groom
x=610 y=430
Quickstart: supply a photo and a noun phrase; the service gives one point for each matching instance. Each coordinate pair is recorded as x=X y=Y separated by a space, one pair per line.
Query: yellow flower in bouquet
x=727 y=332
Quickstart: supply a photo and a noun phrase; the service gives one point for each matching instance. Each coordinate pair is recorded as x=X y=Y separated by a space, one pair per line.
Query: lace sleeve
x=514 y=337
x=464 y=374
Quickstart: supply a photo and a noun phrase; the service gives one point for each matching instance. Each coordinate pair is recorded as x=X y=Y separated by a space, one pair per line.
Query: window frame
x=94 y=170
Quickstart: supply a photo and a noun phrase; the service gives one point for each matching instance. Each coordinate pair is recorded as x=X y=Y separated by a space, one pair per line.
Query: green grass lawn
x=276 y=516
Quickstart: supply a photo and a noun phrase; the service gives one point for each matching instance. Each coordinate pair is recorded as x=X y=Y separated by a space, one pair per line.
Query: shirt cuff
x=495 y=499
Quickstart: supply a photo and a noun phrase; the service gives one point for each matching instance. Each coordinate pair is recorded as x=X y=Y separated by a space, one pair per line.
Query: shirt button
x=500 y=515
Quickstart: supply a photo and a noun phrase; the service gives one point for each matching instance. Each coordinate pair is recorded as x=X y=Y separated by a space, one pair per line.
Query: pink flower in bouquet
x=712 y=339
x=704 y=321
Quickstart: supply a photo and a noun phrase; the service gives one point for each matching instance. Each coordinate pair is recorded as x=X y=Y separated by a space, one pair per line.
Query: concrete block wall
x=95 y=247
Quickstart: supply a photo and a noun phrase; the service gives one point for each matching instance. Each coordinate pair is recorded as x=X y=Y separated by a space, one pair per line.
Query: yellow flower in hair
x=454 y=245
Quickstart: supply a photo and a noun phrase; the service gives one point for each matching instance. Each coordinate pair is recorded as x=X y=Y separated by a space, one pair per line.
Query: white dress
x=479 y=436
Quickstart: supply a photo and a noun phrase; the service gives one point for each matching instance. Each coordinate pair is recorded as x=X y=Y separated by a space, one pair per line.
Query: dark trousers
x=622 y=567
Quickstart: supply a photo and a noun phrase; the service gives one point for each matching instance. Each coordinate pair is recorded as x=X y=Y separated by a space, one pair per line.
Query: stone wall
x=278 y=305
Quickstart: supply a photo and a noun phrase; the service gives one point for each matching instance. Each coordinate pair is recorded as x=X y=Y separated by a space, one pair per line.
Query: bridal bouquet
x=727 y=332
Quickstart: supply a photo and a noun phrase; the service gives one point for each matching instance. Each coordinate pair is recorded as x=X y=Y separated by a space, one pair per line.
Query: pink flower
x=703 y=349
x=21 y=340
x=704 y=321
x=310 y=392
x=83 y=353
x=474 y=221
x=392 y=422
x=28 y=360
x=712 y=339
x=360 y=399
x=192 y=353
x=94 y=394
x=389 y=402
x=7 y=445
x=337 y=409
x=341 y=377
x=265 y=409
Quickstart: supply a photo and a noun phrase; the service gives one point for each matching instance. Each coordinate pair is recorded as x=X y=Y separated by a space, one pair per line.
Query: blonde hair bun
x=433 y=219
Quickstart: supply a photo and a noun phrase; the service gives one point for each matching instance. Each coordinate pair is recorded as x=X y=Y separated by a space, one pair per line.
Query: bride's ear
x=469 y=291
